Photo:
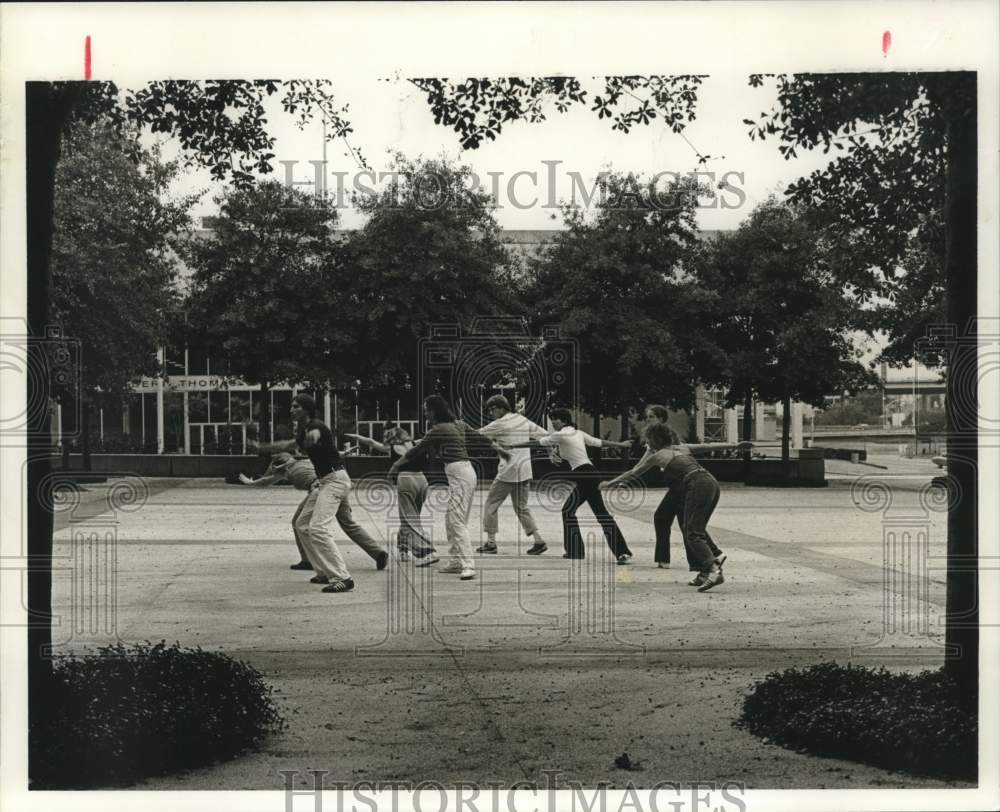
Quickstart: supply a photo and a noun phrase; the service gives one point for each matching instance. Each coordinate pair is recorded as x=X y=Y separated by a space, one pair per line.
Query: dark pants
x=701 y=494
x=670 y=508
x=585 y=480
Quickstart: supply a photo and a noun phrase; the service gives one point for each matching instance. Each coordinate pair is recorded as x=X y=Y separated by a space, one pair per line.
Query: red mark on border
x=86 y=58
x=886 y=42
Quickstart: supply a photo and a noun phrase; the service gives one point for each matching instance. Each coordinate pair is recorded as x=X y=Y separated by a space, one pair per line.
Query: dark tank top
x=679 y=467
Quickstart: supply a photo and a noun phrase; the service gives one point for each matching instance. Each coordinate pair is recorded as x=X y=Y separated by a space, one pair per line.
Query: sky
x=391 y=114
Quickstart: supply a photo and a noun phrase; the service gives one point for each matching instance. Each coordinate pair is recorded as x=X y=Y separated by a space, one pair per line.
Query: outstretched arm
x=276 y=448
x=368 y=442
x=636 y=471
x=267 y=479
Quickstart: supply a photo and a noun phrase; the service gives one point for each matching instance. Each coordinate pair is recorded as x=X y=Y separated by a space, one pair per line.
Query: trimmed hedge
x=915 y=723
x=141 y=710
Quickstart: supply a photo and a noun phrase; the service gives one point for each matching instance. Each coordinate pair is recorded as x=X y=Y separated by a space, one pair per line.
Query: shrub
x=134 y=711
x=917 y=723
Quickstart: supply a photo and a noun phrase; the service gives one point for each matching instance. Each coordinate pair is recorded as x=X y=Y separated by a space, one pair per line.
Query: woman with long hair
x=445 y=439
x=691 y=487
x=571 y=444
x=411 y=491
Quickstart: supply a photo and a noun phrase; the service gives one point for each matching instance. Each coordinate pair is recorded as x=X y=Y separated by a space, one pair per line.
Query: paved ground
x=537 y=664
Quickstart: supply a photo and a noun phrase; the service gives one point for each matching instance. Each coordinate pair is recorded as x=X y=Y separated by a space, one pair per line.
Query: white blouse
x=572 y=444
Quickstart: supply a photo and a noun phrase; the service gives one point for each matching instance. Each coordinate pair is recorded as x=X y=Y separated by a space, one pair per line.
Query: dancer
x=572 y=447
x=446 y=440
x=670 y=508
x=325 y=500
x=302 y=475
x=411 y=492
x=695 y=489
x=513 y=475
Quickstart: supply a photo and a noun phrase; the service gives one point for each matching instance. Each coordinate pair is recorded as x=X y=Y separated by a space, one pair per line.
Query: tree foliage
x=881 y=199
x=265 y=290
x=478 y=108
x=781 y=319
x=616 y=286
x=113 y=266
x=429 y=253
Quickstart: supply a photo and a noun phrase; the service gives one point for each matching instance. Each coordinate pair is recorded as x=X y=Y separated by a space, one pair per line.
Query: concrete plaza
x=539 y=663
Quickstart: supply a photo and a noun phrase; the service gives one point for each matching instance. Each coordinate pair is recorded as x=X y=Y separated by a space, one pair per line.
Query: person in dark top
x=445 y=440
x=692 y=487
x=327 y=499
x=411 y=493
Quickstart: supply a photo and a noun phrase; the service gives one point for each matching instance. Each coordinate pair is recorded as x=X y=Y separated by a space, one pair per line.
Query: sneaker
x=538 y=548
x=340 y=586
x=624 y=558
x=487 y=548
x=319 y=579
x=467 y=574
x=713 y=578
x=663 y=565
x=699 y=579
x=452 y=568
x=382 y=560
x=302 y=565
x=426 y=561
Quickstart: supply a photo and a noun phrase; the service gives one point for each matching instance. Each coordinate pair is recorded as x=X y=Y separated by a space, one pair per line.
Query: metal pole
x=398 y=414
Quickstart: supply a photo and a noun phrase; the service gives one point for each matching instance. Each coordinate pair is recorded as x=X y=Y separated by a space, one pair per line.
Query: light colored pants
x=355 y=532
x=315 y=525
x=518 y=493
x=411 y=493
x=461 y=491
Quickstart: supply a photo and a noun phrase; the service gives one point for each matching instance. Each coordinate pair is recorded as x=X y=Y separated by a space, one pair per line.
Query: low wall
x=806 y=469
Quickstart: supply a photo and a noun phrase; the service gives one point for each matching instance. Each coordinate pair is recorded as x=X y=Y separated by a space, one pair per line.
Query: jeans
x=672 y=507
x=354 y=531
x=518 y=493
x=411 y=492
x=461 y=491
x=585 y=480
x=315 y=520
x=701 y=495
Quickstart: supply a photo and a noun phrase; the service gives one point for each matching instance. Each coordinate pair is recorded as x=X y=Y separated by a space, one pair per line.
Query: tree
x=221 y=126
x=430 y=252
x=113 y=269
x=906 y=186
x=266 y=294
x=616 y=286
x=781 y=317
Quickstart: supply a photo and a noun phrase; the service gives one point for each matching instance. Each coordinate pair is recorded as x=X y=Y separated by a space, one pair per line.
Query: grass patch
x=915 y=723
x=130 y=712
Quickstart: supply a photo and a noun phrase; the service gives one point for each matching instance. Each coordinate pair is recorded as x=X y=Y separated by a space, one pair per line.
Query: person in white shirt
x=572 y=445
x=513 y=475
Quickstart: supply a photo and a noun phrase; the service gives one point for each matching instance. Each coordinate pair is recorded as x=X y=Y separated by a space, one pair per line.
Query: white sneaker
x=467 y=574
x=663 y=565
x=453 y=568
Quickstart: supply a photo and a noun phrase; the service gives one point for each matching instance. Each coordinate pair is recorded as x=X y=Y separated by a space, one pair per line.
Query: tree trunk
x=962 y=612
x=786 y=436
x=747 y=433
x=45 y=114
x=85 y=432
